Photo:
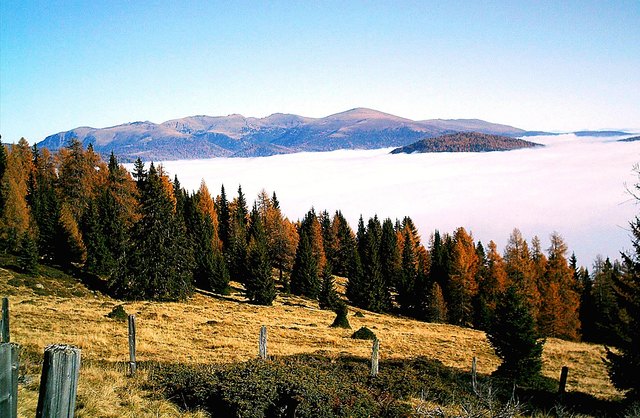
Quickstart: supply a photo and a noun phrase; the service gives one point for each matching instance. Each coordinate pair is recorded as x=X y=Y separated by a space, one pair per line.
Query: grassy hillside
x=56 y=308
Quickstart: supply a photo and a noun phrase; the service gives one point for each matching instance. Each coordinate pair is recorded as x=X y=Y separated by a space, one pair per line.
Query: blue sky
x=557 y=65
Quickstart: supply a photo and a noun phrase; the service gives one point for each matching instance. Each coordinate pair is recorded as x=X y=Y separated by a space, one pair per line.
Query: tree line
x=153 y=239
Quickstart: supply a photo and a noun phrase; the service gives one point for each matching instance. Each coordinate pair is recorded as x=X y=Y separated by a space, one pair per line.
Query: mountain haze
x=238 y=136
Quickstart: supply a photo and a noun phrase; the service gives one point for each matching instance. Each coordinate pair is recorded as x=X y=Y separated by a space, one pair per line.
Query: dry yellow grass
x=208 y=329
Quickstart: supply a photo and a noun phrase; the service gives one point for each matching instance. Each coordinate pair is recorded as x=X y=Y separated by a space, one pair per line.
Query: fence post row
x=132 y=345
x=262 y=344
x=9 y=364
x=375 y=349
x=59 y=382
x=5 y=321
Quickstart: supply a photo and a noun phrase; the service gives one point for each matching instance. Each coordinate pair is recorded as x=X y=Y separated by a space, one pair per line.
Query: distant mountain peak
x=363 y=113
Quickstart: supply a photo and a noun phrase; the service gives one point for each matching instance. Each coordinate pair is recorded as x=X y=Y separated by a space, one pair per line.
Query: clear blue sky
x=550 y=65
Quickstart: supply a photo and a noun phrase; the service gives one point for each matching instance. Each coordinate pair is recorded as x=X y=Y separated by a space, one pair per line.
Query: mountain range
x=238 y=136
x=234 y=135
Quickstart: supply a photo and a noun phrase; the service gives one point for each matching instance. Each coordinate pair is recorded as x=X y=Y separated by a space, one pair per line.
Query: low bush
x=118 y=313
x=323 y=386
x=364 y=333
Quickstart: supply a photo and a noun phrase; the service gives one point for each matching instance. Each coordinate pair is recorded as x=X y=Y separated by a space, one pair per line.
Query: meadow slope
x=211 y=329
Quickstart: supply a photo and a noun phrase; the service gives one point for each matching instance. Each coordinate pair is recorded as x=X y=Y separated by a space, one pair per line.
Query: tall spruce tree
x=390 y=256
x=238 y=238
x=406 y=285
x=344 y=247
x=98 y=256
x=159 y=263
x=328 y=297
x=356 y=286
x=117 y=205
x=304 y=276
x=27 y=254
x=607 y=317
x=44 y=204
x=260 y=285
x=224 y=219
x=513 y=336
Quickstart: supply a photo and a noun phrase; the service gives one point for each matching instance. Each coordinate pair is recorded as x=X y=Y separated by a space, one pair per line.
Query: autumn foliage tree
x=16 y=218
x=558 y=315
x=462 y=280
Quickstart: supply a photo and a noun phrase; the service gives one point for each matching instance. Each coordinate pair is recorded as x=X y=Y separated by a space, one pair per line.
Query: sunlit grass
x=211 y=329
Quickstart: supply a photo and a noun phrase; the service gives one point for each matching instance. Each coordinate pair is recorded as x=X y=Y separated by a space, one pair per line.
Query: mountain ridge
x=203 y=136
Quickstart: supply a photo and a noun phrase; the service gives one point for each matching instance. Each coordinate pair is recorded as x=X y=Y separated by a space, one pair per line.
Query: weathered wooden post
x=59 y=382
x=5 y=320
x=132 y=345
x=375 y=350
x=474 y=377
x=563 y=380
x=9 y=364
x=262 y=348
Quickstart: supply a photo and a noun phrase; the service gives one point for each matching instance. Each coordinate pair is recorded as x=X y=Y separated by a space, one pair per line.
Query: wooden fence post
x=375 y=349
x=9 y=364
x=132 y=345
x=5 y=320
x=59 y=382
x=563 y=380
x=262 y=344
x=474 y=375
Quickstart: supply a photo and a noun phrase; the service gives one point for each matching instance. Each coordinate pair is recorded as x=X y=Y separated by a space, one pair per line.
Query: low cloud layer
x=576 y=186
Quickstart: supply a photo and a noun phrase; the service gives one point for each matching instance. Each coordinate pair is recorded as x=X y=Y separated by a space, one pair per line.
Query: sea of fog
x=576 y=186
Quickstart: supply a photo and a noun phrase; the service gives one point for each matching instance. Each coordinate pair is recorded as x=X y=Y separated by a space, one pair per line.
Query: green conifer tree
x=98 y=256
x=406 y=286
x=328 y=297
x=304 y=276
x=44 y=204
x=260 y=284
x=27 y=254
x=513 y=336
x=390 y=256
x=224 y=219
x=344 y=246
x=159 y=263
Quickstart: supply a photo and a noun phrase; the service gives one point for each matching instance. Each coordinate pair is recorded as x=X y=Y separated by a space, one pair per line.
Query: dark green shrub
x=317 y=386
x=364 y=333
x=358 y=314
x=118 y=313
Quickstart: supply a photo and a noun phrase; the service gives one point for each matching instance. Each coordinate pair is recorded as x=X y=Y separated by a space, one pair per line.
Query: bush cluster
x=310 y=385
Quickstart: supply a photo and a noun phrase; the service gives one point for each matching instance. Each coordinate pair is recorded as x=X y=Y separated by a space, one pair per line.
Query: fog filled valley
x=574 y=185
